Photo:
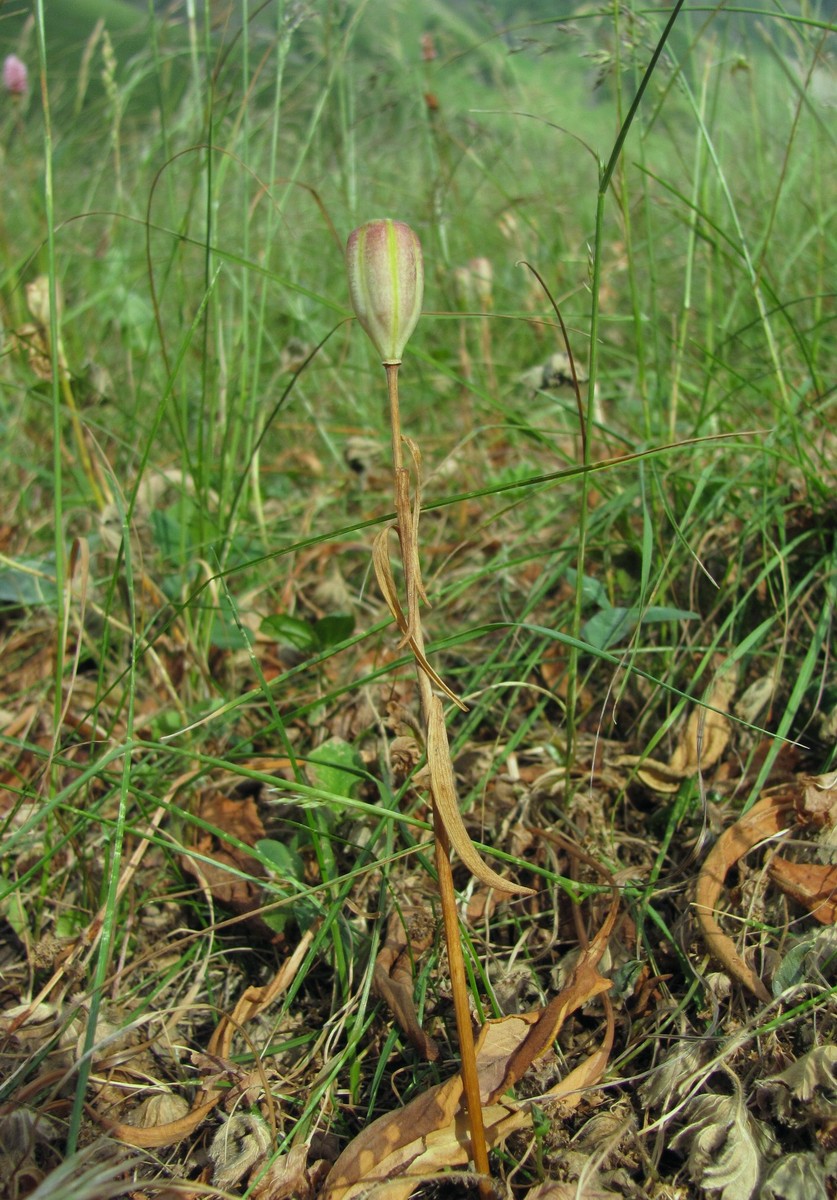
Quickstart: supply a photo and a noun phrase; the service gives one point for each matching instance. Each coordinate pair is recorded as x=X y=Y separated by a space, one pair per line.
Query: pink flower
x=15 y=76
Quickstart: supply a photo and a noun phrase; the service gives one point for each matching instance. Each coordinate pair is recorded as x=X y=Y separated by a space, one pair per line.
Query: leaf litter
x=711 y=1091
x=725 y=1141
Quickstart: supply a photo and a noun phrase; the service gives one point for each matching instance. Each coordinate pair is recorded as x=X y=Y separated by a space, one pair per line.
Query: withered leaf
x=386 y=582
x=701 y=746
x=240 y=820
x=799 y=1176
x=431 y=1133
x=409 y=934
x=707 y=731
x=768 y=817
x=553 y=1189
x=807 y=1089
x=814 y=885
x=443 y=787
x=818 y=802
x=724 y=1145
x=249 y=1005
x=287 y=1178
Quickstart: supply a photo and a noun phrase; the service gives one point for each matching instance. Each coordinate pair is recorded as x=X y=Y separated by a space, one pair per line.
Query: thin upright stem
x=447 y=893
x=394 y=415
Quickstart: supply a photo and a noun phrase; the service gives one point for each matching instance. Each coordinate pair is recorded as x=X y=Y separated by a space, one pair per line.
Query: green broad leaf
x=283 y=859
x=14 y=911
x=24 y=584
x=291 y=631
x=613 y=625
x=330 y=631
x=811 y=959
x=226 y=632
x=592 y=592
x=287 y=864
x=337 y=768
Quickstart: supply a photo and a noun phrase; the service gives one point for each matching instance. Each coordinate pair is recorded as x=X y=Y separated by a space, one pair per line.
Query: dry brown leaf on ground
x=290 y=1177
x=813 y=885
x=222 y=863
x=394 y=1154
x=409 y=934
x=553 y=1189
x=430 y=1134
x=584 y=984
x=253 y=1001
x=701 y=746
x=817 y=803
x=767 y=818
x=726 y=1148
x=707 y=731
x=806 y=1090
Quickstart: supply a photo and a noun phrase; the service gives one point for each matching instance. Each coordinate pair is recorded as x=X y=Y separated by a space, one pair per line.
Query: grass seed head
x=386 y=284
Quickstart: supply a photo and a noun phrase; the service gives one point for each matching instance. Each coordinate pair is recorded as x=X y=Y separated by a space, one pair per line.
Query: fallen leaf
x=674 y=1075
x=818 y=801
x=807 y=1090
x=431 y=1133
x=409 y=934
x=707 y=731
x=724 y=1145
x=768 y=817
x=701 y=746
x=584 y=984
x=249 y=1005
x=286 y=1177
x=813 y=885
x=798 y=1176
x=241 y=1142
x=552 y=1189
x=223 y=863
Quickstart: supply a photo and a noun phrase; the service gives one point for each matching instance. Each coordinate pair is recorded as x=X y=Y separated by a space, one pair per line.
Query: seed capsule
x=386 y=284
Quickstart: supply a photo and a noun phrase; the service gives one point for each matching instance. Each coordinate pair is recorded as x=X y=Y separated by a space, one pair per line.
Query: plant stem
x=447 y=894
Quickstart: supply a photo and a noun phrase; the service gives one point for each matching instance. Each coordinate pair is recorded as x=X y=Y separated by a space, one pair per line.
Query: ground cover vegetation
x=222 y=970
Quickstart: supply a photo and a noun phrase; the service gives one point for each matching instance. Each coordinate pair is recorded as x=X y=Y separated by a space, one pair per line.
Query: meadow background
x=209 y=760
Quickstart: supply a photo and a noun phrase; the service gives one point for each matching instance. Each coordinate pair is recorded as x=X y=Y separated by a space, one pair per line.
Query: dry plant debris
x=219 y=921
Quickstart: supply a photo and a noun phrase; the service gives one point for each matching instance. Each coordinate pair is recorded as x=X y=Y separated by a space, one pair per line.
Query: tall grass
x=194 y=221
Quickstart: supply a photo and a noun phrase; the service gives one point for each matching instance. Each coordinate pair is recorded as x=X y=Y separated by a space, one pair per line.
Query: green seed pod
x=386 y=284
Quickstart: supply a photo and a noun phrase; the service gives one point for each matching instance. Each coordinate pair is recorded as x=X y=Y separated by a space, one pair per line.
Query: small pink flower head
x=15 y=76
x=386 y=284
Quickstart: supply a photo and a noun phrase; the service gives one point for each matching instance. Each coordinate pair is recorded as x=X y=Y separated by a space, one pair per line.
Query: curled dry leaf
x=443 y=787
x=672 y=1078
x=765 y=819
x=409 y=934
x=807 y=1089
x=386 y=582
x=431 y=1133
x=726 y=1148
x=240 y=1143
x=391 y=1156
x=703 y=742
x=800 y=1176
x=818 y=800
x=287 y=1178
x=813 y=885
x=253 y=1001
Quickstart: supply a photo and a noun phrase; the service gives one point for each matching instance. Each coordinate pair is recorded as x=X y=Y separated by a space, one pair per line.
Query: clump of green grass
x=207 y=623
